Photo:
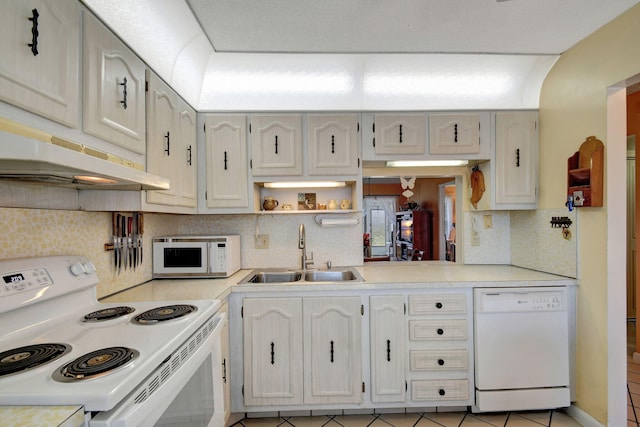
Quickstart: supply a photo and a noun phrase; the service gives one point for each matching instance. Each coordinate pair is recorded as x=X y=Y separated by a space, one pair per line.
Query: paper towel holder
x=332 y=221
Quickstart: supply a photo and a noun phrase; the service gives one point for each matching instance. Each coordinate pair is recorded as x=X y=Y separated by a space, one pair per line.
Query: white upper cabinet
x=171 y=150
x=516 y=159
x=399 y=133
x=276 y=145
x=454 y=133
x=333 y=144
x=40 y=49
x=114 y=88
x=226 y=161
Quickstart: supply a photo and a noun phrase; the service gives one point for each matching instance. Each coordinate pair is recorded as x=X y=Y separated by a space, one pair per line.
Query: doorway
x=379 y=224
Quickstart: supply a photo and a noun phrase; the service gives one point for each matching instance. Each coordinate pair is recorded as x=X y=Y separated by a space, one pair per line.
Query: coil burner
x=108 y=314
x=29 y=357
x=163 y=314
x=95 y=364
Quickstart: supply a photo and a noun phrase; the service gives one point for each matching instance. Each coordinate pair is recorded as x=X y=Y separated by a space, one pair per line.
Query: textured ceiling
x=406 y=26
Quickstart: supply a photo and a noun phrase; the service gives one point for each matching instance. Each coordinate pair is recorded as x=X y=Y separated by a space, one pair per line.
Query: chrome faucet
x=302 y=244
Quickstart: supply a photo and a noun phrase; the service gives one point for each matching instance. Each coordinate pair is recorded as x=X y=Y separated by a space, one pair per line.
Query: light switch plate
x=262 y=241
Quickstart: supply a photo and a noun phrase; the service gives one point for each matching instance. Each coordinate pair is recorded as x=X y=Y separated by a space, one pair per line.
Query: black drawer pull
x=124 y=93
x=388 y=350
x=189 y=156
x=225 y=160
x=168 y=149
x=273 y=353
x=400 y=134
x=440 y=331
x=331 y=352
x=276 y=144
x=441 y=392
x=440 y=362
x=333 y=144
x=438 y=305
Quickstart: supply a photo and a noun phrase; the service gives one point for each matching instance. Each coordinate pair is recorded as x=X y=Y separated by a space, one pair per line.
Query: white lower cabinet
x=387 y=332
x=272 y=351
x=408 y=348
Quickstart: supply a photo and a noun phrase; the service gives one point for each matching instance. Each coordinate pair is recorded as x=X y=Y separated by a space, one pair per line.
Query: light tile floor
x=427 y=419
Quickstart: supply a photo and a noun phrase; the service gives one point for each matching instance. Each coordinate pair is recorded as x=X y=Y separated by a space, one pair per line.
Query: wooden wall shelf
x=585 y=173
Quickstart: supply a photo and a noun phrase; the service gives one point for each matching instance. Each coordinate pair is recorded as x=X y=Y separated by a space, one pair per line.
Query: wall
x=573 y=105
x=41 y=232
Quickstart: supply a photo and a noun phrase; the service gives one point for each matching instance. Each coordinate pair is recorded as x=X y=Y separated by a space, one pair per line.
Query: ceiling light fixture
x=420 y=163
x=305 y=184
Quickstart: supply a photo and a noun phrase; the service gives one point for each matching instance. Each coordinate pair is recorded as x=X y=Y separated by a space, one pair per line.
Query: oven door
x=190 y=396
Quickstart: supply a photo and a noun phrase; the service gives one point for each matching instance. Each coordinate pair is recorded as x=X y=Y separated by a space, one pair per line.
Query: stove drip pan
x=108 y=314
x=163 y=314
x=29 y=357
x=95 y=364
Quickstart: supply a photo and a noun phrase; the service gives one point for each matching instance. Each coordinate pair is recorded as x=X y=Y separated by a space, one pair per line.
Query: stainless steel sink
x=338 y=275
x=331 y=276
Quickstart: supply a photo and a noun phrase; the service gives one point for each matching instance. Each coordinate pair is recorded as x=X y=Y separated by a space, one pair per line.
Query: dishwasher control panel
x=520 y=300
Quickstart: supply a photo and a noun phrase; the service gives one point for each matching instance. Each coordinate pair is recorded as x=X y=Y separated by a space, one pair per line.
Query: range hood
x=29 y=155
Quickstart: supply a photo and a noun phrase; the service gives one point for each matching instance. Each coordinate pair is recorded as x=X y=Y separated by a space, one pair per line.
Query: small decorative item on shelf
x=345 y=204
x=585 y=175
x=269 y=203
x=332 y=205
x=366 y=243
x=477 y=185
x=306 y=201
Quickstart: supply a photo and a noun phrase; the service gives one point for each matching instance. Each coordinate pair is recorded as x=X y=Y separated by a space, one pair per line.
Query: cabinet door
x=399 y=134
x=162 y=111
x=333 y=145
x=272 y=351
x=114 y=89
x=276 y=145
x=332 y=338
x=42 y=78
x=454 y=133
x=516 y=157
x=186 y=156
x=388 y=350
x=226 y=151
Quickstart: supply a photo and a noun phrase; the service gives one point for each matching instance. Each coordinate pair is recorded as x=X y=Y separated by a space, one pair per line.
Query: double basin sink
x=337 y=275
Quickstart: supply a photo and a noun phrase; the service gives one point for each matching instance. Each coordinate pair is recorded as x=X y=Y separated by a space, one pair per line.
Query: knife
x=123 y=231
x=134 y=240
x=119 y=242
x=114 y=222
x=130 y=240
x=140 y=233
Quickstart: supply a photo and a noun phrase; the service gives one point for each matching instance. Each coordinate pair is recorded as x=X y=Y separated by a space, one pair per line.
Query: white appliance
x=196 y=256
x=521 y=349
x=138 y=364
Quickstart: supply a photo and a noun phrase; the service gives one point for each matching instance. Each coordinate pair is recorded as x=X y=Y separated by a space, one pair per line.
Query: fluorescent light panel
x=304 y=184
x=420 y=163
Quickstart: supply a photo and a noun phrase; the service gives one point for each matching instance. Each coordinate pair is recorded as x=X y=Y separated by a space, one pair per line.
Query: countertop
x=61 y=416
x=379 y=275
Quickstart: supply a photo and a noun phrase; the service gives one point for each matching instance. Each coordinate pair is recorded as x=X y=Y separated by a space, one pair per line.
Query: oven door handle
x=130 y=414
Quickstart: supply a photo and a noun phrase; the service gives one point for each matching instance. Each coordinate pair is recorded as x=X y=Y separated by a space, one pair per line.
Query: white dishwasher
x=521 y=349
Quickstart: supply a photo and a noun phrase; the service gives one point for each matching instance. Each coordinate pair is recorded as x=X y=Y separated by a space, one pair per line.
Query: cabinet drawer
x=439 y=360
x=440 y=390
x=437 y=304
x=439 y=329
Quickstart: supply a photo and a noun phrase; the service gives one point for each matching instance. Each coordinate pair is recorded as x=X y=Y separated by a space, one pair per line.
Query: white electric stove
x=127 y=364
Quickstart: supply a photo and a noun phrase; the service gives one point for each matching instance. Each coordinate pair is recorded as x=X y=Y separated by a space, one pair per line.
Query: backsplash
x=41 y=232
x=523 y=239
x=538 y=246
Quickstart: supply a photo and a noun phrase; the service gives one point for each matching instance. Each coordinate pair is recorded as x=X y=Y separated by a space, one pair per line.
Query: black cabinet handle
x=331 y=358
x=517 y=157
x=34 y=32
x=224 y=370
x=388 y=350
x=441 y=362
x=225 y=160
x=438 y=305
x=124 y=93
x=273 y=353
x=168 y=149
x=333 y=144
x=441 y=392
x=276 y=144
x=400 y=127
x=189 y=156
x=440 y=331
x=455 y=133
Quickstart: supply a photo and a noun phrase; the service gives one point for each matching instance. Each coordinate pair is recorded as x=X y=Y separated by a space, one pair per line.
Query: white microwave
x=196 y=256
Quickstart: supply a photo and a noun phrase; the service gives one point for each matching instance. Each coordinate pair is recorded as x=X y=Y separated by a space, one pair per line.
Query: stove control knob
x=77 y=268
x=89 y=267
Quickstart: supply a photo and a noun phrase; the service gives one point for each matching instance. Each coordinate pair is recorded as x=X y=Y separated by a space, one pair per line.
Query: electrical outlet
x=488 y=221
x=475 y=238
x=262 y=241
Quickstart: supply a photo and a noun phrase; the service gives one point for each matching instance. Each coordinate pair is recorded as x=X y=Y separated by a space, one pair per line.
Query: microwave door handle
x=210 y=254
